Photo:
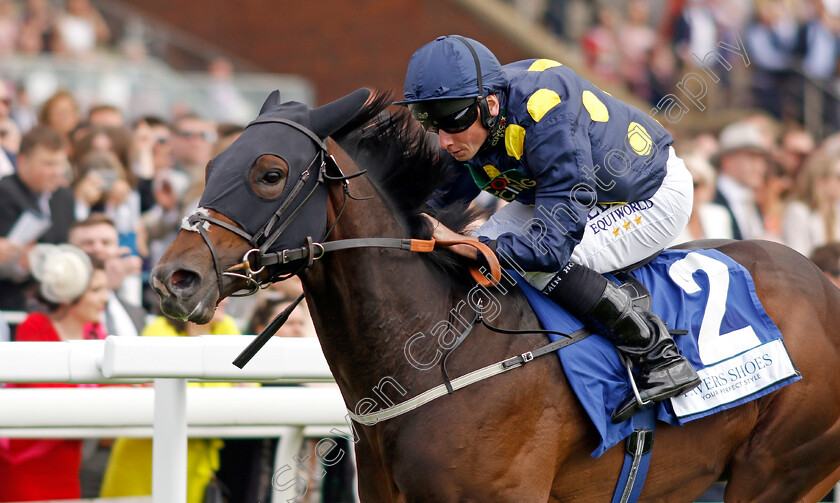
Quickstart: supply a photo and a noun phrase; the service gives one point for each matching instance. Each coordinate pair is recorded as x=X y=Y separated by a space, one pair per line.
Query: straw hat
x=738 y=137
x=64 y=271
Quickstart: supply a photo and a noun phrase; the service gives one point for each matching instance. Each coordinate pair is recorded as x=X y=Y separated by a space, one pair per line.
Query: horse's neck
x=366 y=303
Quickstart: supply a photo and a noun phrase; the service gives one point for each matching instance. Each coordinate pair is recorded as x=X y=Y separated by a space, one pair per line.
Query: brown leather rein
x=312 y=251
x=308 y=253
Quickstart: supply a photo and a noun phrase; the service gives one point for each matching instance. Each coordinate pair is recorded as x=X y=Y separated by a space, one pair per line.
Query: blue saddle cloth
x=732 y=342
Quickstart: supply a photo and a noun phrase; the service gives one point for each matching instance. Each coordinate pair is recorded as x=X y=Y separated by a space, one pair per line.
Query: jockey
x=593 y=185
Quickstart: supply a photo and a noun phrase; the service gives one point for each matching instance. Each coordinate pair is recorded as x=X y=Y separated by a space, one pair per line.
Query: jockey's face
x=464 y=145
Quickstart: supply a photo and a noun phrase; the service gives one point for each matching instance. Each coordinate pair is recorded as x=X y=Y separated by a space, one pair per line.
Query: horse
x=520 y=436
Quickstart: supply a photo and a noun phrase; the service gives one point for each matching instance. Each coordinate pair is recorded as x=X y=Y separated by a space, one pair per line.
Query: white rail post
x=286 y=469
x=169 y=444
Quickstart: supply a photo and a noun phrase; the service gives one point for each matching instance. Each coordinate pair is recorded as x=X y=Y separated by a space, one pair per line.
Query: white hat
x=64 y=271
x=740 y=136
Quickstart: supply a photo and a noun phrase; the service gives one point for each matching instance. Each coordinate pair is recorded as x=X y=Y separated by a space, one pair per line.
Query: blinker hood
x=228 y=192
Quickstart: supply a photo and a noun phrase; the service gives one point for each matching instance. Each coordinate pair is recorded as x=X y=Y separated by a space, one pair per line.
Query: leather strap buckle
x=640 y=442
x=255 y=261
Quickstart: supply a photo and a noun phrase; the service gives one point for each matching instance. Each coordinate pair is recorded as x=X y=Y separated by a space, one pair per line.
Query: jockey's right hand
x=441 y=232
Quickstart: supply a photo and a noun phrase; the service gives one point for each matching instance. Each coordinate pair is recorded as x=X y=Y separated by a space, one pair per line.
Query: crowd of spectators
x=757 y=180
x=74 y=27
x=91 y=182
x=105 y=196
x=646 y=46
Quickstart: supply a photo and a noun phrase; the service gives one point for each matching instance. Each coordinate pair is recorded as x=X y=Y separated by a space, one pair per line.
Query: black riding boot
x=643 y=338
x=636 y=333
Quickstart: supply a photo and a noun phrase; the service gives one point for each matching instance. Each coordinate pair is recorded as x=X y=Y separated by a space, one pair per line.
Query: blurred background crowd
x=92 y=193
x=105 y=137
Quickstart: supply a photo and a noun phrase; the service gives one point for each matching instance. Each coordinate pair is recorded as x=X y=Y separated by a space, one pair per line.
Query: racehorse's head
x=266 y=193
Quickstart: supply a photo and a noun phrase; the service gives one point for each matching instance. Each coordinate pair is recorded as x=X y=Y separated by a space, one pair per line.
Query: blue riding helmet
x=445 y=69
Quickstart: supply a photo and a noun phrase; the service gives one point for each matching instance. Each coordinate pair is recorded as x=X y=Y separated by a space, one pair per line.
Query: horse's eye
x=268 y=175
x=272 y=177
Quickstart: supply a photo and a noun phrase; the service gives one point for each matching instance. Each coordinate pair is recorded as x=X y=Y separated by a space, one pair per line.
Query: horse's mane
x=406 y=165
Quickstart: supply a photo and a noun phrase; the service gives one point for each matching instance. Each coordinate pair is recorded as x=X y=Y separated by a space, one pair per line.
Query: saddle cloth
x=731 y=342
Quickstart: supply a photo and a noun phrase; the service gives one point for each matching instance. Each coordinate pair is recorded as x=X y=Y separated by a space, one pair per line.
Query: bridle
x=257 y=258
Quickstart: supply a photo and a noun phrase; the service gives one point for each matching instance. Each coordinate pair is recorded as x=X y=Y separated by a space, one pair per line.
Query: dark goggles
x=452 y=116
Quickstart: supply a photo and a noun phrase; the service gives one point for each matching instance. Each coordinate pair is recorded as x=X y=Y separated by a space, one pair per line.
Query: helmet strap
x=486 y=119
x=497 y=131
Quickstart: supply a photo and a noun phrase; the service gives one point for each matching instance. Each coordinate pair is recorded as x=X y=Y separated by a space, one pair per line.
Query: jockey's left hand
x=443 y=233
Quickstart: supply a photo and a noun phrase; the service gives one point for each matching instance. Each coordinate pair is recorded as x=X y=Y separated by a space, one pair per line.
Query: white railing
x=170 y=412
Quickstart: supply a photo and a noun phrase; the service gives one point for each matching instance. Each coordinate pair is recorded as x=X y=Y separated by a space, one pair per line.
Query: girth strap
x=636 y=458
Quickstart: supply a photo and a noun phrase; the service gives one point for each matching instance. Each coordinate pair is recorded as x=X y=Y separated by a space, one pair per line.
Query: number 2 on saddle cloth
x=709 y=300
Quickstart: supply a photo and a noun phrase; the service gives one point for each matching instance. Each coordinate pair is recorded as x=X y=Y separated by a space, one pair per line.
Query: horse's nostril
x=183 y=279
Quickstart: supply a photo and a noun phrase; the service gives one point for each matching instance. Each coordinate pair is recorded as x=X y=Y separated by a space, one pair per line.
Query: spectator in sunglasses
x=593 y=183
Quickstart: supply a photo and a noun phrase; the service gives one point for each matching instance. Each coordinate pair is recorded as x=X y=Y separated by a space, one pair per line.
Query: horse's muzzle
x=180 y=291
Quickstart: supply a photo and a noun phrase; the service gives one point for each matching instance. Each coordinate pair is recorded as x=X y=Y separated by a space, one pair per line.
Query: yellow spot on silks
x=639 y=139
x=491 y=171
x=616 y=230
x=515 y=140
x=639 y=220
x=541 y=102
x=596 y=108
x=542 y=65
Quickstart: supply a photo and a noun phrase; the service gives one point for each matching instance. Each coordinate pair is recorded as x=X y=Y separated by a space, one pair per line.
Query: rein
x=312 y=251
x=306 y=253
x=258 y=258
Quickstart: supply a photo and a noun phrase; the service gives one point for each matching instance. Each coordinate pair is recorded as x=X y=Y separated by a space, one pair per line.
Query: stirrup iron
x=643 y=404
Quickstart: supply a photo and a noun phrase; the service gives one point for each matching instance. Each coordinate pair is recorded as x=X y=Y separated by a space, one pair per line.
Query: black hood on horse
x=273 y=132
x=402 y=161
